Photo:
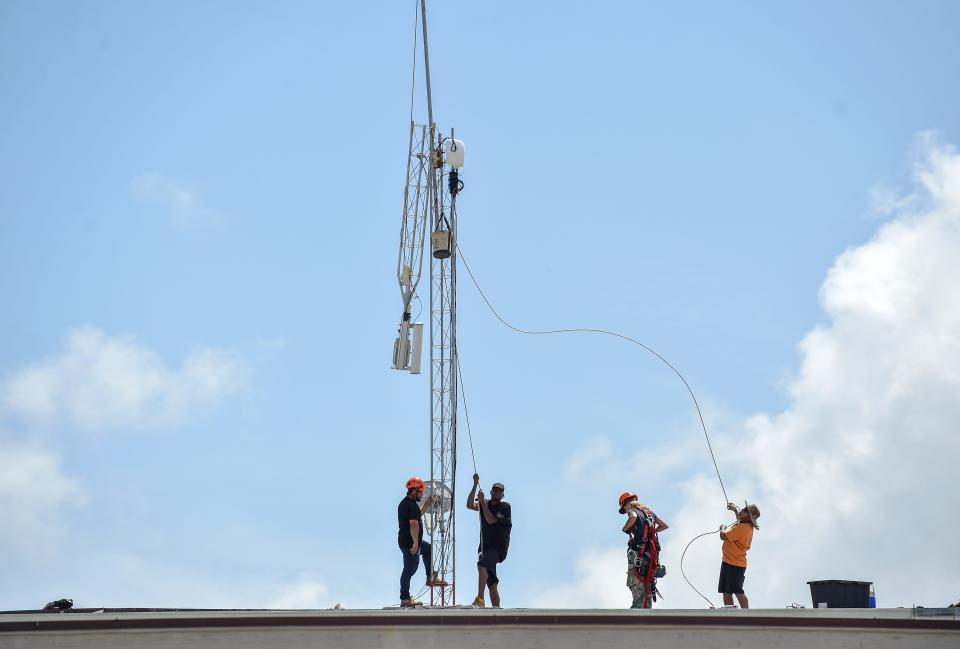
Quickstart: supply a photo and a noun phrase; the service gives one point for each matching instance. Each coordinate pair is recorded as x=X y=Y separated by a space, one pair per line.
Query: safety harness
x=646 y=546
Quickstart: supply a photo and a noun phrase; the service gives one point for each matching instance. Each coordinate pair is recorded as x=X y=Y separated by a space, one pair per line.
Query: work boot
x=410 y=603
x=436 y=581
x=478 y=602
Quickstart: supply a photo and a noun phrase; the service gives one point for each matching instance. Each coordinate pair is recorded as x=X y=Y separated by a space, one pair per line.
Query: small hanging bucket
x=440 y=241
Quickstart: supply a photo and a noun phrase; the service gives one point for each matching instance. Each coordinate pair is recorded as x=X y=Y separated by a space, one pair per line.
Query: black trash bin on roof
x=839 y=593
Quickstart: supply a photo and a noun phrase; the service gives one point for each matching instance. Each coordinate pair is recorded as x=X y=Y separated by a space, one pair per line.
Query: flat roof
x=144 y=619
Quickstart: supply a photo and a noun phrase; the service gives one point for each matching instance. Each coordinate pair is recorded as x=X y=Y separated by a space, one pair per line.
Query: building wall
x=475 y=629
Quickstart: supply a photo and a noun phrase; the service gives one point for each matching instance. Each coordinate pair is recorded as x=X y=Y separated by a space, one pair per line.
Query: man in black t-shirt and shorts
x=495 y=526
x=410 y=539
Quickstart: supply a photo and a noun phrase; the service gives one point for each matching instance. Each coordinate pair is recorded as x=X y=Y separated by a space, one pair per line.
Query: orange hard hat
x=415 y=483
x=626 y=497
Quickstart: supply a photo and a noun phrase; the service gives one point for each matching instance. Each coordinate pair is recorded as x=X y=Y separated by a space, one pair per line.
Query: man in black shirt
x=495 y=526
x=410 y=538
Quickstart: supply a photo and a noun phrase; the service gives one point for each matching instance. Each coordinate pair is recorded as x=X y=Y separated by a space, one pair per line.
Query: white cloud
x=885 y=200
x=33 y=489
x=100 y=382
x=114 y=579
x=182 y=204
x=597 y=451
x=856 y=478
x=119 y=579
x=307 y=593
x=600 y=582
x=599 y=460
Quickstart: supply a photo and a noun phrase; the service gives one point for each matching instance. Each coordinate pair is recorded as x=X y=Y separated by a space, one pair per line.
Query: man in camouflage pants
x=643 y=549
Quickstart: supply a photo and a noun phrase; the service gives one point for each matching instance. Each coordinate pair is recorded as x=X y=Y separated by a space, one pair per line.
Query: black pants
x=489 y=559
x=410 y=564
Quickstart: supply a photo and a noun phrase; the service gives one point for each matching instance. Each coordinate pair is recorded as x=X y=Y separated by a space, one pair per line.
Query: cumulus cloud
x=123 y=579
x=672 y=456
x=33 y=490
x=126 y=579
x=885 y=200
x=99 y=382
x=600 y=582
x=856 y=477
x=182 y=204
x=307 y=592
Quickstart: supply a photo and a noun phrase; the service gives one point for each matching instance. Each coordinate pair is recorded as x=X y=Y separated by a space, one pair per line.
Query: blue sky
x=198 y=235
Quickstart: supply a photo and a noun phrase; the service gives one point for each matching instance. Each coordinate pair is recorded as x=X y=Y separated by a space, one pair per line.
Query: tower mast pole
x=443 y=361
x=426 y=61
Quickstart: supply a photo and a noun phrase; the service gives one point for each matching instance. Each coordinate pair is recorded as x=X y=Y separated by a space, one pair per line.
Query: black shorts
x=489 y=559
x=731 y=578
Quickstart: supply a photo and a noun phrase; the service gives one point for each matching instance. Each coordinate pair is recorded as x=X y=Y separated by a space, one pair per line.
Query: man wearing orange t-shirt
x=736 y=541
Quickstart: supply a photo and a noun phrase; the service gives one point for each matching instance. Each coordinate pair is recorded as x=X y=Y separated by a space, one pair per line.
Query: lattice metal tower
x=430 y=197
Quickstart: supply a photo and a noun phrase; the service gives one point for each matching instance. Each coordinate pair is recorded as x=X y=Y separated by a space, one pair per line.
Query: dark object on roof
x=840 y=593
x=63 y=604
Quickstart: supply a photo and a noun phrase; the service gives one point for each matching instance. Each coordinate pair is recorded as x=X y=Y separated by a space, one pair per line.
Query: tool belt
x=642 y=563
